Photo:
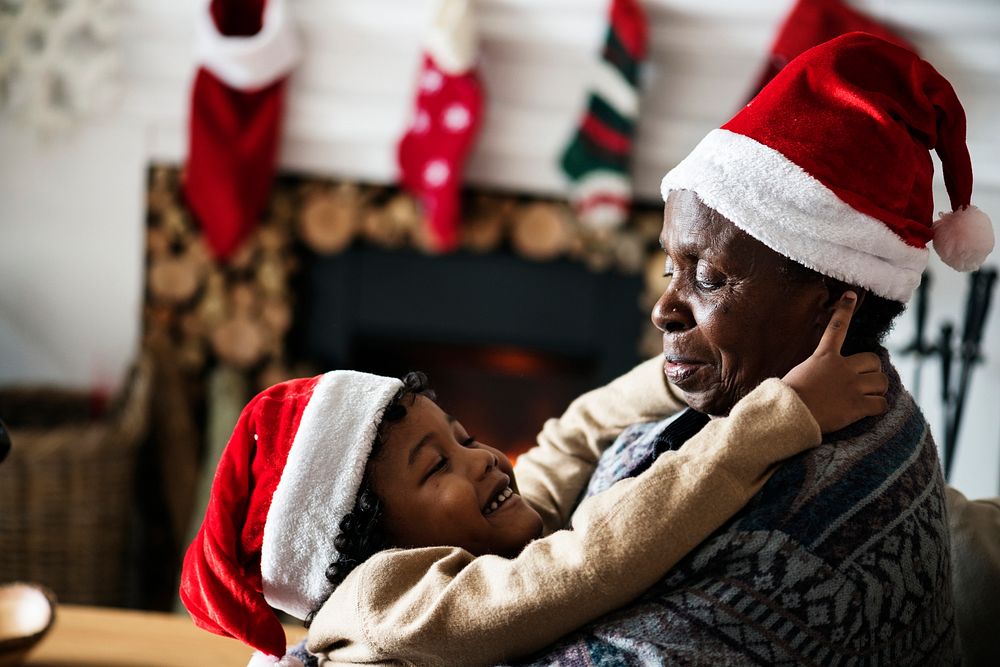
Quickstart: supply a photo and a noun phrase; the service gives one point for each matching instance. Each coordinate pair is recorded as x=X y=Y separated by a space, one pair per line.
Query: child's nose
x=482 y=461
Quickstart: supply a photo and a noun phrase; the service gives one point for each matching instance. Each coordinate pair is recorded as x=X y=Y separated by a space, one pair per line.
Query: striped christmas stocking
x=597 y=159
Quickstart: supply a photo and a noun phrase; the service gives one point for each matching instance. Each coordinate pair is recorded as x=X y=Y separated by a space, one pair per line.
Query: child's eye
x=469 y=441
x=441 y=464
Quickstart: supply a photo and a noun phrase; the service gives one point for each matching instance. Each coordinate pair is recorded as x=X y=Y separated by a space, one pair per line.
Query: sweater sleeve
x=442 y=606
x=552 y=475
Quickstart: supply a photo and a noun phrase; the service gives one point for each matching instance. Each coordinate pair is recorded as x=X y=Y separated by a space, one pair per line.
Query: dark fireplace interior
x=506 y=342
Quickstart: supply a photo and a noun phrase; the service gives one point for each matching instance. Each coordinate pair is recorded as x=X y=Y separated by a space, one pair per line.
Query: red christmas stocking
x=245 y=49
x=812 y=22
x=446 y=119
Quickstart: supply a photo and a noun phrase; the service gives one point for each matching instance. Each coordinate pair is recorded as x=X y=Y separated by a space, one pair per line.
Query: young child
x=324 y=475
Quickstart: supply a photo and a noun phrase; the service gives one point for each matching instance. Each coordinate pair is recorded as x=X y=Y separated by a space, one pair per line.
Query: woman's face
x=439 y=487
x=730 y=318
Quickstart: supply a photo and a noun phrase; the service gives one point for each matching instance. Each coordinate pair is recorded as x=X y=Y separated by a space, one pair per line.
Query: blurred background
x=130 y=340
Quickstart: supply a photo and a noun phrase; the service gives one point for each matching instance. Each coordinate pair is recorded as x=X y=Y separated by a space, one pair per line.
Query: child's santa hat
x=290 y=473
x=829 y=166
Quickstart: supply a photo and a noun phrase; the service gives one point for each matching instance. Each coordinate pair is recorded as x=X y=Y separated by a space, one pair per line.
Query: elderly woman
x=843 y=557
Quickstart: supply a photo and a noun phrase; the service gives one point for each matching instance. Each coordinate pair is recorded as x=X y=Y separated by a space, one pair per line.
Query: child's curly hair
x=360 y=535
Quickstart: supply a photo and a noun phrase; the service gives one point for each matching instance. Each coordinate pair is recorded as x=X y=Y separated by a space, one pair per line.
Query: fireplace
x=507 y=342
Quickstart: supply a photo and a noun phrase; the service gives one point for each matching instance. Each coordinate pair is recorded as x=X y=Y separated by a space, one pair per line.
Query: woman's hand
x=839 y=390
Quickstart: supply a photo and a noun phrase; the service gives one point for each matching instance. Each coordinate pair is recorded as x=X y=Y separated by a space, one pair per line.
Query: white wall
x=71 y=218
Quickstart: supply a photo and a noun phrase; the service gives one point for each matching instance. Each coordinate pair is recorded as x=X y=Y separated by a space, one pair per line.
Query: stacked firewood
x=334 y=216
x=239 y=313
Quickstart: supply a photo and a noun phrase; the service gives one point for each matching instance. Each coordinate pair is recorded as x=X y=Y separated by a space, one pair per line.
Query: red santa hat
x=829 y=165
x=289 y=474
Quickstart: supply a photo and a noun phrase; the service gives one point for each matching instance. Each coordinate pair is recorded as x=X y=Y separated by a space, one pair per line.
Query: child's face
x=438 y=488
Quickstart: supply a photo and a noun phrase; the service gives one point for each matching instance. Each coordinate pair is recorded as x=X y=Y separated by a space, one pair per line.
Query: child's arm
x=442 y=606
x=551 y=476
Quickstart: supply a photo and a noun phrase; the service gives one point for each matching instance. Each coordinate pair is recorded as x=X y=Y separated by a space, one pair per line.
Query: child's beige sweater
x=443 y=606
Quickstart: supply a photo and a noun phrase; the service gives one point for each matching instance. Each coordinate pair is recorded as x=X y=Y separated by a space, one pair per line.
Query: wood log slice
x=272 y=239
x=540 y=231
x=483 y=234
x=328 y=223
x=392 y=225
x=281 y=211
x=277 y=315
x=239 y=342
x=245 y=254
x=244 y=299
x=157 y=243
x=176 y=224
x=486 y=226
x=271 y=275
x=174 y=278
x=158 y=200
x=213 y=308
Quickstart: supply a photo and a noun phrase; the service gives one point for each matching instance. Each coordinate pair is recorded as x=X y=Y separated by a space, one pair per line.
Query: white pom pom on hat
x=963 y=239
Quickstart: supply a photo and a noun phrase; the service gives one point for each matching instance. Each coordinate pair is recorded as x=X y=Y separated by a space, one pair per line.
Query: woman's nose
x=671 y=314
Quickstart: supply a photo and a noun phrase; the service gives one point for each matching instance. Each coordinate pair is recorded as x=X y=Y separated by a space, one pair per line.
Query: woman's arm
x=442 y=606
x=551 y=476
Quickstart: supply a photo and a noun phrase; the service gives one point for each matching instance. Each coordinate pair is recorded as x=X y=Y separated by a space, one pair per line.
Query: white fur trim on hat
x=259 y=659
x=453 y=41
x=251 y=62
x=778 y=203
x=318 y=486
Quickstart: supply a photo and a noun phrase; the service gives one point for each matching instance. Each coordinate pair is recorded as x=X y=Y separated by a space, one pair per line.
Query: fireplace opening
x=506 y=342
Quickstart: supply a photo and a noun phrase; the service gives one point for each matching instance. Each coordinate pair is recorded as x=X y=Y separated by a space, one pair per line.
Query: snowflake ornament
x=58 y=59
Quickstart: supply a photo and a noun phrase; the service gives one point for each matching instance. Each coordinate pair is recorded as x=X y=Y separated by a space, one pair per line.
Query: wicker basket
x=66 y=491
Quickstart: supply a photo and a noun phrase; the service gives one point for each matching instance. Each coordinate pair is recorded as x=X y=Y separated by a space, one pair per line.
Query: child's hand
x=839 y=390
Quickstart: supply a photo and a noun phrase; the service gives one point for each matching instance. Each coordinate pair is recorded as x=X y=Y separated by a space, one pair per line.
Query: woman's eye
x=668 y=268
x=706 y=286
x=708 y=280
x=469 y=441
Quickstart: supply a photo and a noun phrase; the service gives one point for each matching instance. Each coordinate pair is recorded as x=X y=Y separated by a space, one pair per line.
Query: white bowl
x=27 y=611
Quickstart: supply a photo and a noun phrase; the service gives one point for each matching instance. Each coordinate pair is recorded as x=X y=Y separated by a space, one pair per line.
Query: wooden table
x=97 y=637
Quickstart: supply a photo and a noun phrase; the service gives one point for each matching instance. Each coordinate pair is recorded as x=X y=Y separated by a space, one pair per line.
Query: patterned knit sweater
x=841 y=559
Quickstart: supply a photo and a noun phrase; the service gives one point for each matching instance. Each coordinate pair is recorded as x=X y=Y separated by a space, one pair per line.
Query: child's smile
x=439 y=487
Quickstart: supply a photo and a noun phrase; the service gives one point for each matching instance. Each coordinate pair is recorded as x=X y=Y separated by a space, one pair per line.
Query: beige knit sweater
x=443 y=606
